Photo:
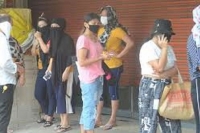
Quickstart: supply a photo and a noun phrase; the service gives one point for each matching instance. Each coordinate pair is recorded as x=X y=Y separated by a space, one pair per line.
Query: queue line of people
x=102 y=43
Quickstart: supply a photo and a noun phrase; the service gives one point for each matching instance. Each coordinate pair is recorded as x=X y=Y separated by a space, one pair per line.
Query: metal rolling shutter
x=137 y=15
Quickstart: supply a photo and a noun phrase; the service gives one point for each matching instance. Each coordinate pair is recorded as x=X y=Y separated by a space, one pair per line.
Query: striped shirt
x=193 y=54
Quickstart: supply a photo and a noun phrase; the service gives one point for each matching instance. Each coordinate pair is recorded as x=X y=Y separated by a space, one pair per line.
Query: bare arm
x=83 y=60
x=50 y=65
x=169 y=73
x=129 y=44
x=65 y=74
x=159 y=65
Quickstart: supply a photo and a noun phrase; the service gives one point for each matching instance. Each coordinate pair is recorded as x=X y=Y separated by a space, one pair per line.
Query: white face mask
x=6 y=28
x=104 y=20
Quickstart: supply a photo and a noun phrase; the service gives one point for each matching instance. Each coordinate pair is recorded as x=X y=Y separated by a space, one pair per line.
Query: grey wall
x=25 y=107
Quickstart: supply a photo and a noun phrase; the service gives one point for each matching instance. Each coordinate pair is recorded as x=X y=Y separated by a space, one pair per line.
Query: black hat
x=162 y=26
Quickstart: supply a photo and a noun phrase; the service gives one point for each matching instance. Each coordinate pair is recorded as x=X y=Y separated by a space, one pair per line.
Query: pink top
x=88 y=74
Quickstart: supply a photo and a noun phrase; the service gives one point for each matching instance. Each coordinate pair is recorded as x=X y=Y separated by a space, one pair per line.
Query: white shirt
x=8 y=68
x=149 y=52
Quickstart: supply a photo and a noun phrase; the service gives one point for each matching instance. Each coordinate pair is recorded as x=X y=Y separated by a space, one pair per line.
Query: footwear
x=63 y=129
x=41 y=121
x=9 y=130
x=97 y=125
x=48 y=123
x=109 y=126
x=57 y=127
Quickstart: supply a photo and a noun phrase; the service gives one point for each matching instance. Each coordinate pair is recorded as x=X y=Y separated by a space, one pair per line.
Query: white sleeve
x=148 y=53
x=173 y=56
x=6 y=61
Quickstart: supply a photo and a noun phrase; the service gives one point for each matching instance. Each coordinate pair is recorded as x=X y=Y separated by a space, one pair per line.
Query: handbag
x=176 y=102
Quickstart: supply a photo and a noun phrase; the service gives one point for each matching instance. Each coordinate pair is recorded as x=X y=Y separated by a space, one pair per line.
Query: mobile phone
x=47 y=76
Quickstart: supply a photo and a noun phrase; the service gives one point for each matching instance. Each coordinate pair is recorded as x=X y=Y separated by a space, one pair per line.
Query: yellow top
x=113 y=44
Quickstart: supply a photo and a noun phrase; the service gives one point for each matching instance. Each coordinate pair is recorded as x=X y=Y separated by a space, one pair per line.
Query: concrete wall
x=25 y=107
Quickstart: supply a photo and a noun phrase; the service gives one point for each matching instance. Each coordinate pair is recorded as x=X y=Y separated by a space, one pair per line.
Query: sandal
x=48 y=123
x=108 y=126
x=63 y=129
x=57 y=127
x=41 y=121
x=97 y=125
x=9 y=130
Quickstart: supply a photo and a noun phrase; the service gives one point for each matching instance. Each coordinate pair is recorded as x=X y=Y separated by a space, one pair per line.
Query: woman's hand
x=162 y=41
x=65 y=76
x=21 y=80
x=105 y=56
x=38 y=35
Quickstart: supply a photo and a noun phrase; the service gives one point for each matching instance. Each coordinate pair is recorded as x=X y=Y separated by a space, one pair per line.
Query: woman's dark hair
x=43 y=18
x=91 y=16
x=88 y=17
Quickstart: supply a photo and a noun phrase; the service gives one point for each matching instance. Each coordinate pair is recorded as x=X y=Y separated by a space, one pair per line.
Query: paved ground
x=124 y=126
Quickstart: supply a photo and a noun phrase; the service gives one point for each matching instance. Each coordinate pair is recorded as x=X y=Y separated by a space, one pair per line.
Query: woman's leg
x=114 y=96
x=51 y=100
x=169 y=126
x=195 y=94
x=98 y=121
x=41 y=92
x=61 y=109
x=150 y=92
x=90 y=96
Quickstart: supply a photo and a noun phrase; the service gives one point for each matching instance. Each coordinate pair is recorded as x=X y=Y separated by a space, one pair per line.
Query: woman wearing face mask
x=44 y=92
x=62 y=49
x=158 y=66
x=89 y=59
x=111 y=36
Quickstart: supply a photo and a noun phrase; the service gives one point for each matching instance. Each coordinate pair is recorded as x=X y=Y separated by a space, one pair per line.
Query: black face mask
x=43 y=29
x=94 y=28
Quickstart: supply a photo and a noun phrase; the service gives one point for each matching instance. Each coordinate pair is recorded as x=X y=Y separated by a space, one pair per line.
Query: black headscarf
x=56 y=34
x=62 y=49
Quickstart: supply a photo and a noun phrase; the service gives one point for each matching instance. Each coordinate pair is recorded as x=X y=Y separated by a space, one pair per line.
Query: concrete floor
x=125 y=125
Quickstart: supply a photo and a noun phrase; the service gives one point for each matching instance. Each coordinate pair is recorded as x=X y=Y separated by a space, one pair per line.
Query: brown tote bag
x=176 y=102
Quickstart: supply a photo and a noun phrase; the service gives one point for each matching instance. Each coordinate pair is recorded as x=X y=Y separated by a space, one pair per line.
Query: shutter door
x=137 y=15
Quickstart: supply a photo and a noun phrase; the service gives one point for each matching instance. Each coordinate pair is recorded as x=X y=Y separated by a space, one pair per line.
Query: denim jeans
x=91 y=93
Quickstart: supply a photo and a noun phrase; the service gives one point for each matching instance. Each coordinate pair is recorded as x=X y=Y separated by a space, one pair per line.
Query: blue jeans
x=91 y=93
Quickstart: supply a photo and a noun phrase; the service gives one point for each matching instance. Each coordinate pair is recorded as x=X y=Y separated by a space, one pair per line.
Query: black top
x=62 y=58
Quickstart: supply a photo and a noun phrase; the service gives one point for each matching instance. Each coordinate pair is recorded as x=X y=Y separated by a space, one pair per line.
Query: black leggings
x=195 y=94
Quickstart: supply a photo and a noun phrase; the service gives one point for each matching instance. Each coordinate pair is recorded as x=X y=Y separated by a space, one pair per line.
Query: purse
x=176 y=102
